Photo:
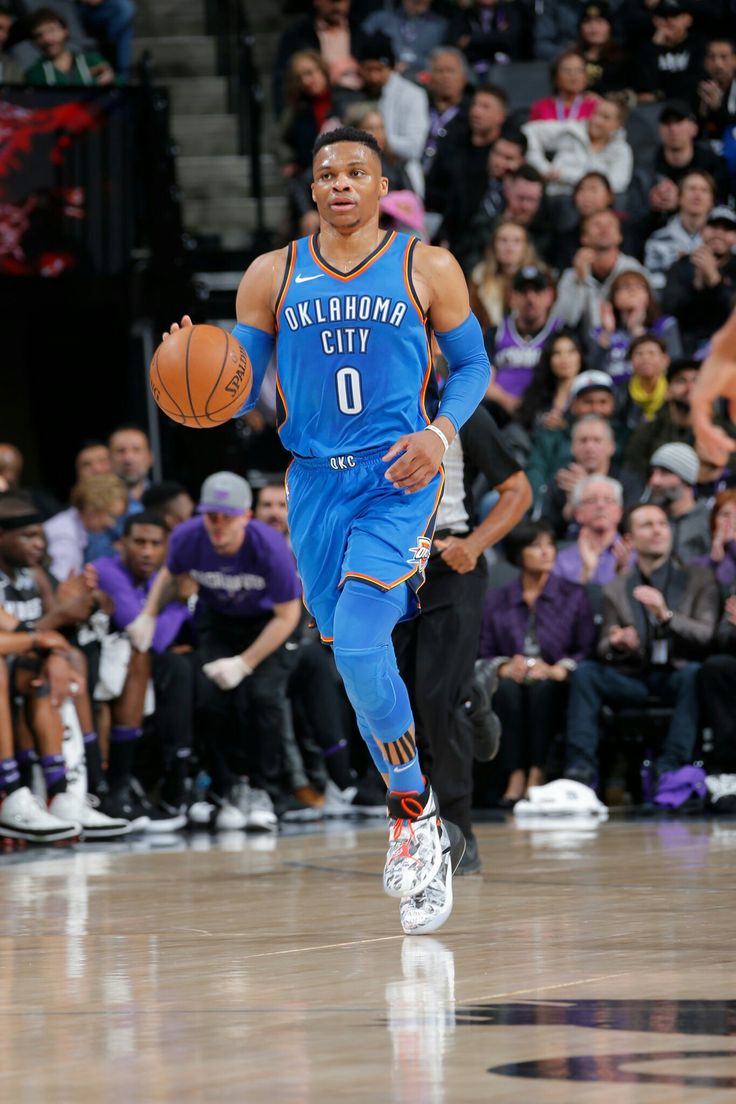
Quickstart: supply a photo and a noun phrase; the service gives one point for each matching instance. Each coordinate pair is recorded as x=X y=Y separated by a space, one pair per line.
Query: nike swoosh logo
x=303 y=279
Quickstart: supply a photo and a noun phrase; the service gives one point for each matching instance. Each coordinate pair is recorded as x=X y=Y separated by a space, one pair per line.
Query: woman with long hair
x=509 y=249
x=571 y=98
x=607 y=63
x=630 y=310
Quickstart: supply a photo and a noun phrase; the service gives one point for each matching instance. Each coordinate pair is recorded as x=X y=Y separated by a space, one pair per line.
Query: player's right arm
x=716 y=379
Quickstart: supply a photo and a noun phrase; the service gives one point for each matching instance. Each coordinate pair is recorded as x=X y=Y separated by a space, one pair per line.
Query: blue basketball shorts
x=347 y=521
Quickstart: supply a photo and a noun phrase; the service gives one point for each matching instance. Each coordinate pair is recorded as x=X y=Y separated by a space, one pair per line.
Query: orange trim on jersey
x=327 y=639
x=286 y=409
x=287 y=281
x=425 y=382
x=410 y=245
x=356 y=271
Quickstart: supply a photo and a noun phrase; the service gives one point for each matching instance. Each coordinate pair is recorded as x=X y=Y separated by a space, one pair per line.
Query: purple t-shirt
x=129 y=597
x=260 y=575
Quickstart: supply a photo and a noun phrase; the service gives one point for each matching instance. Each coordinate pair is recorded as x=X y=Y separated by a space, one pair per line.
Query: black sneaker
x=470 y=862
x=126 y=805
x=486 y=725
x=166 y=818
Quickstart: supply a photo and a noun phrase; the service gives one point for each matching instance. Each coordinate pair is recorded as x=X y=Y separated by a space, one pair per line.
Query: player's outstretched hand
x=419 y=458
x=185 y=321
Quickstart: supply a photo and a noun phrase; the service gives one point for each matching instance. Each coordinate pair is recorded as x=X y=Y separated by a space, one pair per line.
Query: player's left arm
x=441 y=286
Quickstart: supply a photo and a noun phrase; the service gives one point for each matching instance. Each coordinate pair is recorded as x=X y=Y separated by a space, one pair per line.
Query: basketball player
x=351 y=308
x=716 y=379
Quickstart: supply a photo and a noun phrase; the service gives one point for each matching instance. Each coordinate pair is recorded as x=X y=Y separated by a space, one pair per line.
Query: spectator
x=717 y=93
x=630 y=311
x=248 y=606
x=722 y=555
x=10 y=71
x=11 y=479
x=172 y=501
x=591 y=393
x=599 y=554
x=509 y=249
x=545 y=400
x=682 y=234
x=677 y=155
x=592 y=450
x=591 y=194
x=564 y=152
x=131 y=459
x=111 y=23
x=402 y=104
x=516 y=345
x=414 y=31
x=448 y=107
x=712 y=477
x=570 y=102
x=536 y=629
x=671 y=485
x=585 y=285
x=673 y=422
x=642 y=396
x=658 y=620
x=59 y=64
x=607 y=63
x=671 y=63
x=488 y=32
x=716 y=680
x=366 y=116
x=93 y=458
x=96 y=505
x=701 y=287
x=329 y=31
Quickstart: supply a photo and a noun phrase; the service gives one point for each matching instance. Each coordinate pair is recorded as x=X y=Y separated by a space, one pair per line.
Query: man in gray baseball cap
x=225 y=493
x=671 y=485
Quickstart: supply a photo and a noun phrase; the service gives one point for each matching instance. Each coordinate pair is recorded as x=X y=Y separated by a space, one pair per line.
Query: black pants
x=530 y=715
x=718 y=689
x=436 y=655
x=241 y=729
x=317 y=702
x=174 y=719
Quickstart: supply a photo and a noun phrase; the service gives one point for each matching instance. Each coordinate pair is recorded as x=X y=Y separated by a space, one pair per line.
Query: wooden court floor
x=588 y=964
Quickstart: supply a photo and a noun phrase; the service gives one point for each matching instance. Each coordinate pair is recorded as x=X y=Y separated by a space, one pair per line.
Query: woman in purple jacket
x=536 y=629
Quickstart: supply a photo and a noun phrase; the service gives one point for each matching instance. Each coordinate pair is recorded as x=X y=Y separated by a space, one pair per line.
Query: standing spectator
x=658 y=620
x=701 y=287
x=59 y=64
x=536 y=630
x=564 y=152
x=402 y=104
x=488 y=32
x=584 y=286
x=448 y=107
x=10 y=71
x=682 y=234
x=545 y=401
x=630 y=311
x=509 y=249
x=671 y=485
x=671 y=63
x=571 y=100
x=599 y=554
x=111 y=23
x=641 y=397
x=673 y=422
x=717 y=93
x=607 y=63
x=414 y=31
x=722 y=556
x=97 y=503
x=329 y=31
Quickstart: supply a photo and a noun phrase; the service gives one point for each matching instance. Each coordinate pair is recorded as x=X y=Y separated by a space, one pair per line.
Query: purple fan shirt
x=261 y=574
x=129 y=597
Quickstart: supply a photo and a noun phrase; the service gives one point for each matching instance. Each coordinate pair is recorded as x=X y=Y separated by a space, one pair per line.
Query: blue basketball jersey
x=354 y=369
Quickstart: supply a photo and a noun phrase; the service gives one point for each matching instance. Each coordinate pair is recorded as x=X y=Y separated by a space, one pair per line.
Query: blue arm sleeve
x=470 y=370
x=259 y=346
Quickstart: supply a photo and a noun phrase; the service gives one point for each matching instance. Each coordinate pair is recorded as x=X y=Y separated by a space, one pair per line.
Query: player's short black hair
x=346 y=134
x=144 y=517
x=524 y=534
x=159 y=494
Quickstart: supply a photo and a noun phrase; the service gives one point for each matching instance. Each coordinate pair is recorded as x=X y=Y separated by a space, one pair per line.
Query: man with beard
x=671 y=485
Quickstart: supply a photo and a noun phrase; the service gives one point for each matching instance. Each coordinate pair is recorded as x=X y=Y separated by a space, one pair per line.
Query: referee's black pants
x=436 y=654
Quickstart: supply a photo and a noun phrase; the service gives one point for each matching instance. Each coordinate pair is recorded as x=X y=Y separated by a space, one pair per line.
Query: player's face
x=226 y=532
x=144 y=550
x=23 y=547
x=130 y=455
x=347 y=185
x=94 y=460
x=272 y=510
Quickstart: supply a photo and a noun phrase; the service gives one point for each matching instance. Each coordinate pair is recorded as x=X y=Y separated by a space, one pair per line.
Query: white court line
x=325 y=947
x=540 y=988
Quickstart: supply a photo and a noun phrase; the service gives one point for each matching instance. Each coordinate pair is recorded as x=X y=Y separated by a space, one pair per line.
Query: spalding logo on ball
x=200 y=376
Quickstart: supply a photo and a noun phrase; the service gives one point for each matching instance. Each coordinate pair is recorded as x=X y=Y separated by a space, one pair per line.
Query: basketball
x=200 y=376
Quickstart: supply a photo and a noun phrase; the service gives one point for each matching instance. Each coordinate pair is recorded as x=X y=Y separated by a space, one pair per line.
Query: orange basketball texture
x=200 y=376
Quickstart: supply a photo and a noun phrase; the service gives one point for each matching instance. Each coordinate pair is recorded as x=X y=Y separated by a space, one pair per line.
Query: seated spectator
x=592 y=451
x=10 y=71
x=722 y=556
x=555 y=27
x=127 y=579
x=607 y=63
x=673 y=422
x=564 y=151
x=630 y=311
x=717 y=92
x=402 y=104
x=172 y=501
x=671 y=485
x=658 y=620
x=599 y=554
x=516 y=345
x=488 y=32
x=329 y=30
x=682 y=234
x=59 y=64
x=545 y=400
x=713 y=478
x=677 y=155
x=93 y=458
x=671 y=63
x=716 y=681
x=641 y=397
x=509 y=249
x=448 y=107
x=96 y=505
x=591 y=194
x=366 y=116
x=587 y=283
x=414 y=32
x=591 y=393
x=11 y=479
x=110 y=22
x=536 y=629
x=570 y=101
x=701 y=287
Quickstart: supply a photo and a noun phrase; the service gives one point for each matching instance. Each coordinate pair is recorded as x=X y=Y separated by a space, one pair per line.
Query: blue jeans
x=595 y=684
x=112 y=22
